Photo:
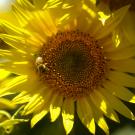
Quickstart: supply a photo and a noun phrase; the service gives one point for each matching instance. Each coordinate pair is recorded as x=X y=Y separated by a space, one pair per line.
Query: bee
x=41 y=66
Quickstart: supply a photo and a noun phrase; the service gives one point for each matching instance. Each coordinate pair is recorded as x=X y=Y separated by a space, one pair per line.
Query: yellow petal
x=5 y=103
x=128 y=25
x=12 y=29
x=54 y=112
x=102 y=103
x=132 y=100
x=63 y=19
x=37 y=21
x=116 y=41
x=21 y=98
x=122 y=79
x=26 y=4
x=93 y=1
x=85 y=114
x=9 y=16
x=3 y=74
x=127 y=65
x=91 y=12
x=103 y=125
x=27 y=44
x=55 y=107
x=120 y=91
x=112 y=22
x=11 y=55
x=68 y=115
x=99 y=119
x=39 y=3
x=117 y=104
x=21 y=15
x=42 y=23
x=103 y=17
x=12 y=83
x=32 y=104
x=83 y=21
x=122 y=53
x=20 y=68
x=13 y=41
x=37 y=117
x=52 y=3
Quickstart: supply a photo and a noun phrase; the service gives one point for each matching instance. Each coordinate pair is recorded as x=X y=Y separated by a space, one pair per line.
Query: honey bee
x=41 y=66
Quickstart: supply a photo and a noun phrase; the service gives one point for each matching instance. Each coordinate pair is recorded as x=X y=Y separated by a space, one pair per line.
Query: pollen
x=75 y=62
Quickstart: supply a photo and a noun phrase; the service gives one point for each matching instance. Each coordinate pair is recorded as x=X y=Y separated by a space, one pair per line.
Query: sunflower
x=69 y=57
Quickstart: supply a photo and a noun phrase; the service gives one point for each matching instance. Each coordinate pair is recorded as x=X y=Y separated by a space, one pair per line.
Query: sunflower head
x=72 y=63
x=67 y=57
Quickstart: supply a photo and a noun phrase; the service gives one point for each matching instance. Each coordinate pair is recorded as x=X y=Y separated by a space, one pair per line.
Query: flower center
x=71 y=63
